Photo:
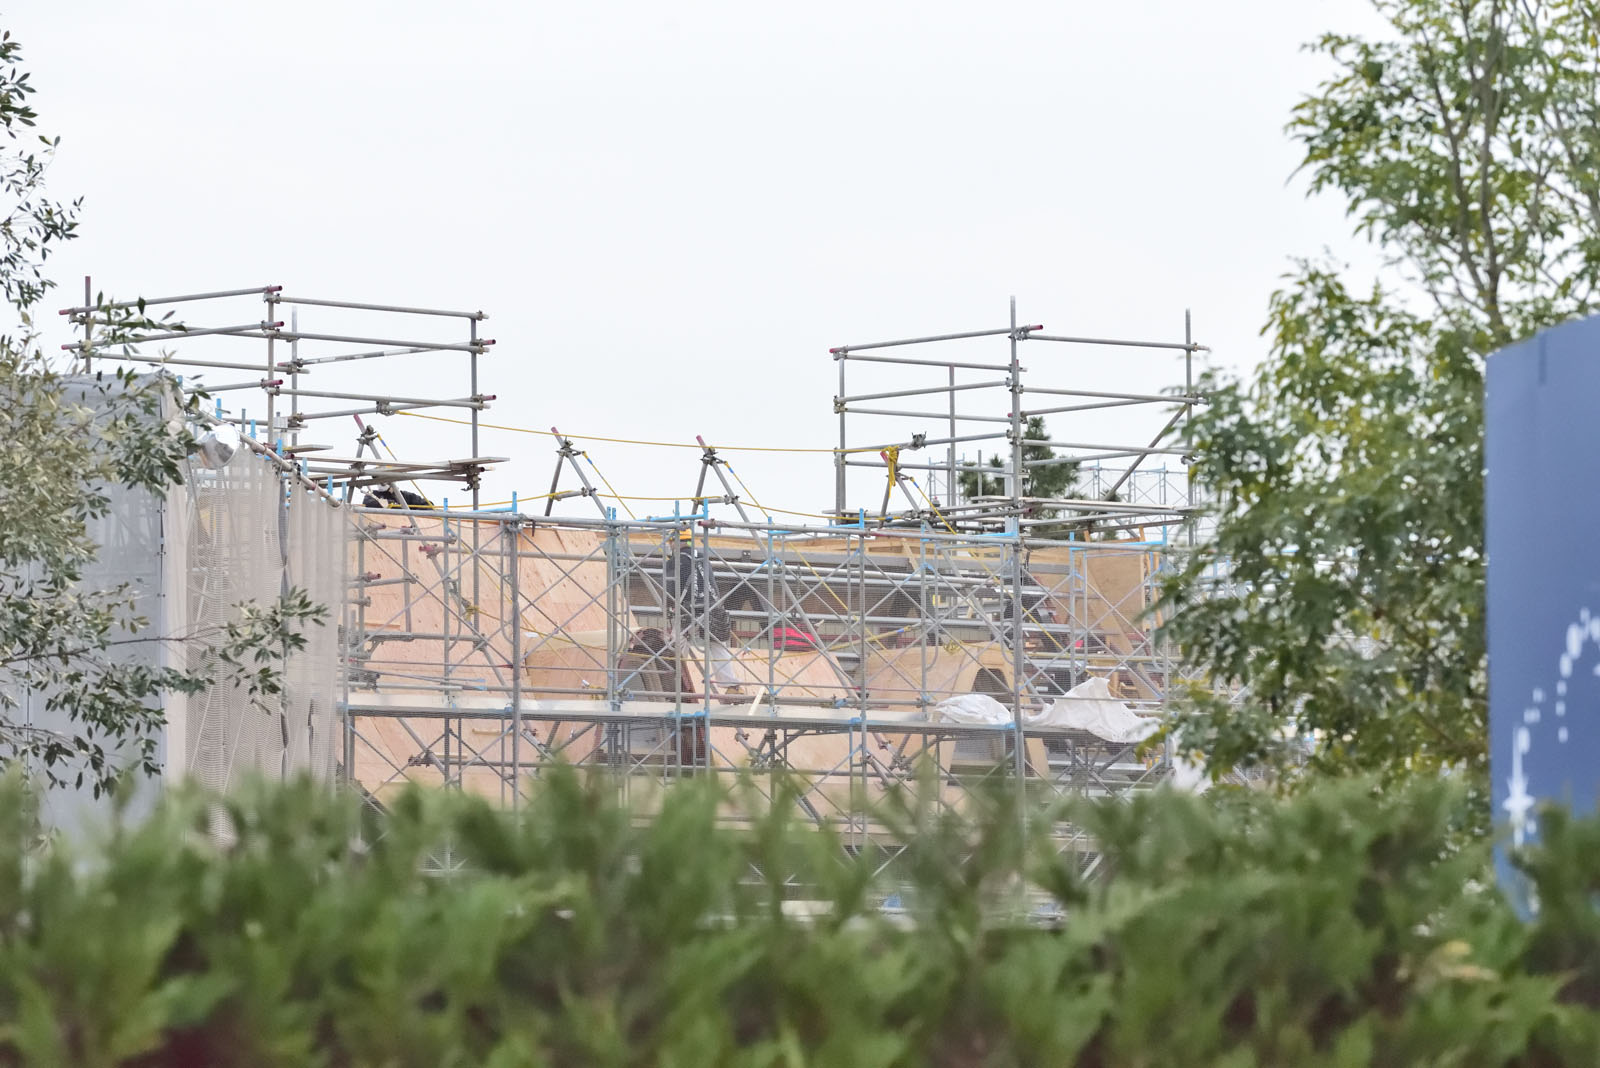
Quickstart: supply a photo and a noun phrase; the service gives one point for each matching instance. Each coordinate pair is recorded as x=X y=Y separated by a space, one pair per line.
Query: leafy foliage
x=1044 y=481
x=1348 y=474
x=1048 y=480
x=64 y=443
x=1342 y=927
x=34 y=223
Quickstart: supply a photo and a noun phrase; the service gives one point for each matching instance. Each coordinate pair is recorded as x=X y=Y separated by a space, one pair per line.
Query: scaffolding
x=286 y=409
x=480 y=645
x=1123 y=503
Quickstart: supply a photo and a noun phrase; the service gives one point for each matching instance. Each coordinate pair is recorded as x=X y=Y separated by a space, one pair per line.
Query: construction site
x=943 y=623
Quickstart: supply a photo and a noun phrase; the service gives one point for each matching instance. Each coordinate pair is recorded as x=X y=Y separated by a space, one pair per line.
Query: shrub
x=286 y=926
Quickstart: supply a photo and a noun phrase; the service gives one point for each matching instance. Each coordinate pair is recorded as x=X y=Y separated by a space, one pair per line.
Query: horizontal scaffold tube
x=478 y=315
x=941 y=416
x=959 y=387
x=460 y=402
x=847 y=528
x=843 y=351
x=90 y=349
x=1179 y=345
x=148 y=301
x=946 y=364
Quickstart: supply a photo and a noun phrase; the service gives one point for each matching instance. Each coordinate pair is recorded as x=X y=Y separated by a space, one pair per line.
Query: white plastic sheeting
x=1089 y=706
x=972 y=709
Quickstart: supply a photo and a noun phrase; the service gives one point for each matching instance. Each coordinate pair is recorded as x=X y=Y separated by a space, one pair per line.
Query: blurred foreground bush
x=1340 y=927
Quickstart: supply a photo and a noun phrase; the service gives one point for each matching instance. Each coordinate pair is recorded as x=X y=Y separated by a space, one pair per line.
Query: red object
x=788 y=638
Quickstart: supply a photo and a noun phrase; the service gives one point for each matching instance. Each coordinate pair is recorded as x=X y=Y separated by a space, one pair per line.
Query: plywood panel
x=470 y=598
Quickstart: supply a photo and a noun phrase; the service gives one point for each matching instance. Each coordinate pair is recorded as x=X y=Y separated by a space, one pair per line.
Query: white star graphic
x=1518 y=802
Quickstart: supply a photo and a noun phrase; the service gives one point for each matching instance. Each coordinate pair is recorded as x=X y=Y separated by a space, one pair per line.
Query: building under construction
x=952 y=629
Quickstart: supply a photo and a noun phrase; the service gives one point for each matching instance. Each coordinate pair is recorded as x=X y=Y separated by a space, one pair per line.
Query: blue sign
x=1542 y=445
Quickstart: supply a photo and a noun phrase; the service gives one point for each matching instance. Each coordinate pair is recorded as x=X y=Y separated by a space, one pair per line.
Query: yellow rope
x=634 y=441
x=606 y=482
x=935 y=507
x=991 y=573
x=636 y=497
x=747 y=491
x=876 y=639
x=780 y=511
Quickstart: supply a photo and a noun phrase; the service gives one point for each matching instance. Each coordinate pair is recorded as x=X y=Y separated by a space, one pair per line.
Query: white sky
x=671 y=212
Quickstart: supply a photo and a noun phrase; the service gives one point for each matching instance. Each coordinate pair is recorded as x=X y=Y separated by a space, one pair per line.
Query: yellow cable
x=636 y=497
x=933 y=506
x=606 y=482
x=992 y=574
x=873 y=638
x=393 y=456
x=633 y=441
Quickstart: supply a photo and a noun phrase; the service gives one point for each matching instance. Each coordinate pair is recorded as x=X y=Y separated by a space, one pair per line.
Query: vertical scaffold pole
x=678 y=638
x=513 y=528
x=294 y=375
x=952 y=496
x=615 y=623
x=1188 y=501
x=1188 y=416
x=472 y=336
x=922 y=625
x=839 y=457
x=477 y=473
x=88 y=324
x=613 y=619
x=770 y=565
x=272 y=362
x=1013 y=522
x=354 y=635
x=1019 y=661
x=861 y=653
x=702 y=732
x=448 y=601
x=1014 y=527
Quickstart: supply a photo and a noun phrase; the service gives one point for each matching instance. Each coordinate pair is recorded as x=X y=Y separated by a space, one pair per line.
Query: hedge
x=291 y=926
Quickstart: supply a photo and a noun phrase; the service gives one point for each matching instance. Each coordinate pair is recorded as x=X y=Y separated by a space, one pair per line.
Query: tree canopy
x=1341 y=600
x=1045 y=480
x=64 y=444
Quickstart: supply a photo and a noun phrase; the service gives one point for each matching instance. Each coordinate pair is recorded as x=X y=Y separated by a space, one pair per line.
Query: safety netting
x=242 y=535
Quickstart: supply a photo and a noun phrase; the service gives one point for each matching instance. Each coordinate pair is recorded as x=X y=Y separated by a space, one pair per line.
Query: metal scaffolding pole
x=513 y=529
x=839 y=457
x=952 y=493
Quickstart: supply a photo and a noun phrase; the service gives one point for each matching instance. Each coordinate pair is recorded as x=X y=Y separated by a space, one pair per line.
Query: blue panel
x=1542 y=421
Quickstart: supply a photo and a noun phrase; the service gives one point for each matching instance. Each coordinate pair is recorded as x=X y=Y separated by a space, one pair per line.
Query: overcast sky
x=671 y=212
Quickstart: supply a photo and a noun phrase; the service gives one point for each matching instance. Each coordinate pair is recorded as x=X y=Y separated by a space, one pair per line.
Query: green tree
x=63 y=444
x=982 y=479
x=1347 y=474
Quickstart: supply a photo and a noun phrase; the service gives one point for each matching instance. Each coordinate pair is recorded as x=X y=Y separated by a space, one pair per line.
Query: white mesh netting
x=188 y=559
x=240 y=537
